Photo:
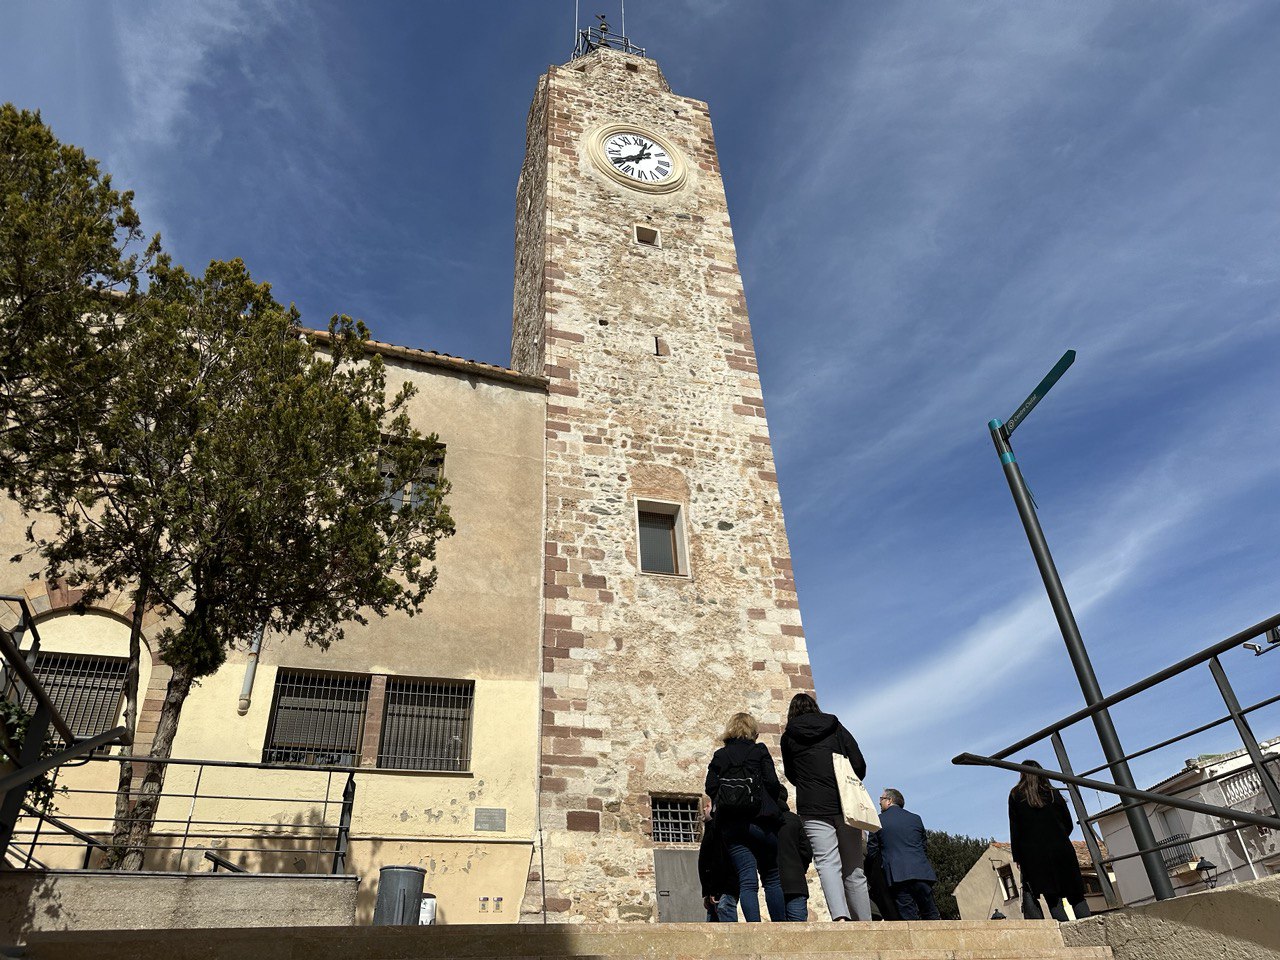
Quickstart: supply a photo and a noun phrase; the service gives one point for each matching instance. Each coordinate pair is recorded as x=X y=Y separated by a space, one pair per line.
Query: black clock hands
x=642 y=155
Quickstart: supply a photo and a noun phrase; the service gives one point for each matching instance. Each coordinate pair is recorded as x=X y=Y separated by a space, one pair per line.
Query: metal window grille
x=676 y=820
x=657 y=542
x=426 y=724
x=317 y=718
x=415 y=490
x=85 y=690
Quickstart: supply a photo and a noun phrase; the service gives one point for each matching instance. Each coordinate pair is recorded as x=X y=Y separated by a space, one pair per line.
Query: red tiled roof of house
x=443 y=360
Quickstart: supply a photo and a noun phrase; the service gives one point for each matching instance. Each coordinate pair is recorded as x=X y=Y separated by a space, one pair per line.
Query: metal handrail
x=1132 y=799
x=1195 y=660
x=1147 y=796
x=18 y=663
x=324 y=839
x=218 y=861
x=1186 y=736
x=30 y=762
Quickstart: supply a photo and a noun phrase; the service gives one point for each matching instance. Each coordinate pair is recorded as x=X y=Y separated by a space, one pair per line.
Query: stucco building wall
x=481 y=623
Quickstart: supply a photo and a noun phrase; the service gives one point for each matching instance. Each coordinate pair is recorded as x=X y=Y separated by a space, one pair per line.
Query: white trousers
x=837 y=853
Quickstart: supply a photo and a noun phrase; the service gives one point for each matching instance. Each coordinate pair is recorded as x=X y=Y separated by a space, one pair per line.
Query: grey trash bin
x=399 y=896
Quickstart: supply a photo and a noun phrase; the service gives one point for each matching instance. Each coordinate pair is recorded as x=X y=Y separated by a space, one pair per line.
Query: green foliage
x=65 y=235
x=183 y=437
x=952 y=856
x=14 y=722
x=205 y=450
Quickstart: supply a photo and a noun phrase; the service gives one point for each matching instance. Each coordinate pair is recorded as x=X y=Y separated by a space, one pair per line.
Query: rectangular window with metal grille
x=317 y=718
x=658 y=543
x=426 y=724
x=85 y=690
x=414 y=490
x=676 y=820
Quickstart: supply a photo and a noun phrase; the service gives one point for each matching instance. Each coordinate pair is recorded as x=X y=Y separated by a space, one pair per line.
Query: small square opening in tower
x=633 y=67
x=661 y=536
x=648 y=236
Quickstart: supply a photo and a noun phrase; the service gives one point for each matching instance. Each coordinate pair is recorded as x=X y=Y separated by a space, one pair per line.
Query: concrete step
x=937 y=940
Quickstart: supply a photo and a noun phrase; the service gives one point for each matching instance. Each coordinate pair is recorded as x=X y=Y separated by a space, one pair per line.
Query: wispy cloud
x=169 y=50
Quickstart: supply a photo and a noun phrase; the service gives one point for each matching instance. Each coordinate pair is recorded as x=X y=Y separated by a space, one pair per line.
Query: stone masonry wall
x=654 y=394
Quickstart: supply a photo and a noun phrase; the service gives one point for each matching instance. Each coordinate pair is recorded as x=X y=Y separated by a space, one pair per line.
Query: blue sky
x=932 y=201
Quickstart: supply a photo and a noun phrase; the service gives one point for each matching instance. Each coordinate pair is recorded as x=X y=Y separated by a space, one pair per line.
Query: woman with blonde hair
x=744 y=790
x=1040 y=828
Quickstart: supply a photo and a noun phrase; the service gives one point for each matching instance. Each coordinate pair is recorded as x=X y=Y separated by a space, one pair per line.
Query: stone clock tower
x=669 y=597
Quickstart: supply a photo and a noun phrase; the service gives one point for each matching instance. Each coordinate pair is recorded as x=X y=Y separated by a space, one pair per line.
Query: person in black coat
x=878 y=886
x=750 y=831
x=717 y=873
x=900 y=846
x=808 y=743
x=794 y=857
x=1040 y=828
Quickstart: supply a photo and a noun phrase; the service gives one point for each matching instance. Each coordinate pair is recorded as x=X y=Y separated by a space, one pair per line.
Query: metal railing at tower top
x=593 y=38
x=1260 y=764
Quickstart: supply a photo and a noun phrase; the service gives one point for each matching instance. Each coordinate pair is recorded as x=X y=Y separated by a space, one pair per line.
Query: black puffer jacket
x=749 y=753
x=807 y=745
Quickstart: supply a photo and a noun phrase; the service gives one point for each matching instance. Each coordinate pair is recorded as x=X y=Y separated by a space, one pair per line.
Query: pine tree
x=208 y=454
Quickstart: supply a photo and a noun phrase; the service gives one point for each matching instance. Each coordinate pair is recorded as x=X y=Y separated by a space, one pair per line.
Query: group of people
x=753 y=840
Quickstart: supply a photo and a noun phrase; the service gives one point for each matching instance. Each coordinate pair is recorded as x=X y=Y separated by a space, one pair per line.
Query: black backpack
x=739 y=793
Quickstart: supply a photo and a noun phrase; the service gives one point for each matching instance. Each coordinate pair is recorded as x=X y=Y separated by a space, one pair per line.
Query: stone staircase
x=937 y=940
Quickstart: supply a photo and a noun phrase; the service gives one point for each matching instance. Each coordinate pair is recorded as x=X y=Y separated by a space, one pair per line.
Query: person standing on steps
x=742 y=783
x=794 y=857
x=717 y=873
x=900 y=843
x=1040 y=840
x=808 y=743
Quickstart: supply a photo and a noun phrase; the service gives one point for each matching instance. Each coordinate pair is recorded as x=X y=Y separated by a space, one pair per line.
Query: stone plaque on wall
x=491 y=818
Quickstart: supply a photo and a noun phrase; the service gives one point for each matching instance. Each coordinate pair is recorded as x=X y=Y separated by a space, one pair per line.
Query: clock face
x=638 y=157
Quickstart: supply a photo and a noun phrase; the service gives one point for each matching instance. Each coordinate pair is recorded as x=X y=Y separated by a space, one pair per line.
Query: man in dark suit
x=900 y=845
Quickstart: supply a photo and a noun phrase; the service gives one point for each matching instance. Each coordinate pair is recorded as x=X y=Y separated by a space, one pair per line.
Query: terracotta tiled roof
x=1081 y=848
x=446 y=361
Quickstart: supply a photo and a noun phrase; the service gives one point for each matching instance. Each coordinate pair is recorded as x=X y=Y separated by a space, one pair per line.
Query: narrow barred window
x=676 y=820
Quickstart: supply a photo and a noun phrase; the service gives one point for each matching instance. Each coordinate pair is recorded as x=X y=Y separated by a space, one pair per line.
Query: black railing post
x=344 y=826
x=1107 y=736
x=1082 y=817
x=1246 y=734
x=32 y=746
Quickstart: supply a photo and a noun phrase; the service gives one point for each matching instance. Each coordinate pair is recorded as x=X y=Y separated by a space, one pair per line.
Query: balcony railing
x=1176 y=856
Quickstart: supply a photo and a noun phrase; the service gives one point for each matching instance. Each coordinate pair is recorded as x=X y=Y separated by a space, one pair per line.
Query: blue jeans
x=754 y=850
x=797 y=909
x=724 y=910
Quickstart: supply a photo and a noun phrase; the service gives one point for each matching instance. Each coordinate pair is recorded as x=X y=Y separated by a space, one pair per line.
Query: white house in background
x=1225 y=780
x=995 y=883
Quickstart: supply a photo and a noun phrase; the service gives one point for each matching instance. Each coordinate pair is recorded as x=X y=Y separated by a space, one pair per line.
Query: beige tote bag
x=855 y=803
